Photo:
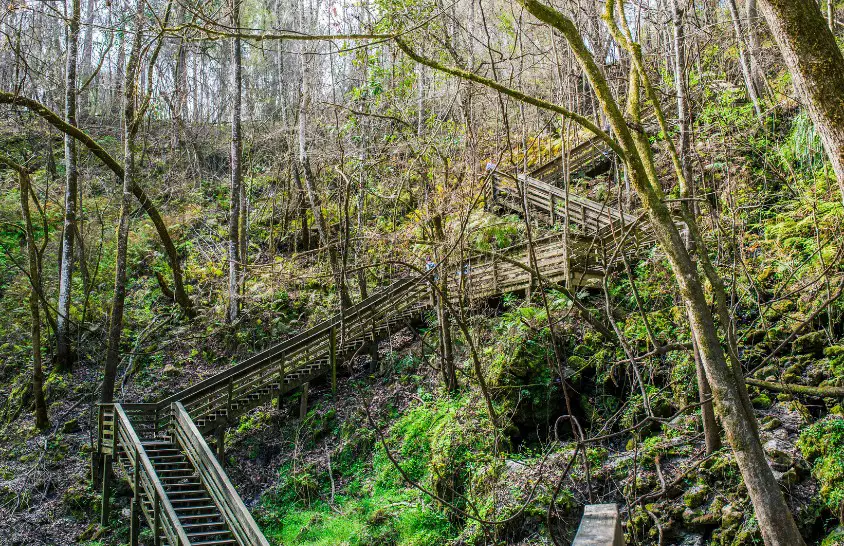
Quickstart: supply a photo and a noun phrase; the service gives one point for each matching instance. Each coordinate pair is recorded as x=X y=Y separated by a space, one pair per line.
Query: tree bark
x=443 y=316
x=707 y=413
x=313 y=196
x=746 y=72
x=817 y=70
x=756 y=73
x=64 y=357
x=130 y=123
x=236 y=172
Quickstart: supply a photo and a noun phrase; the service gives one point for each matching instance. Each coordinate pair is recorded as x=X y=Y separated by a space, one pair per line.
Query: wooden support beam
x=373 y=356
x=281 y=374
x=600 y=526
x=303 y=402
x=134 y=521
x=220 y=444
x=106 y=502
x=373 y=350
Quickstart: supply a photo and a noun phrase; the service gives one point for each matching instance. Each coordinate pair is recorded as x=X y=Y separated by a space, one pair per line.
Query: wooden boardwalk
x=160 y=450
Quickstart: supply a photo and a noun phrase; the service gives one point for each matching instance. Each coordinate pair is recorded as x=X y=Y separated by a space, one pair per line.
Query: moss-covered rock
x=696 y=496
x=811 y=343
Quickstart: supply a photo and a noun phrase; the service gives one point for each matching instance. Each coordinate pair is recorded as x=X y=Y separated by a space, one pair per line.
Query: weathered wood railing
x=581 y=158
x=321 y=343
x=588 y=217
x=238 y=518
x=149 y=496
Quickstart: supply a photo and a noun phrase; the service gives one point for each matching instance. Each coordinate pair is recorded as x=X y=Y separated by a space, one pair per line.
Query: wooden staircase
x=180 y=489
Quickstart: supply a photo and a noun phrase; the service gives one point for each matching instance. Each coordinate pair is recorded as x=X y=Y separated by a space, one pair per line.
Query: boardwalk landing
x=160 y=450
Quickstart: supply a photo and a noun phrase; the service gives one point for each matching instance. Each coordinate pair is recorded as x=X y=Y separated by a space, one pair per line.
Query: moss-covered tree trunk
x=775 y=520
x=817 y=69
x=63 y=351
x=35 y=294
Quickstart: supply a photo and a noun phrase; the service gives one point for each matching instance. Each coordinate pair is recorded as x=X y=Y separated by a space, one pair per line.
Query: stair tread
x=209 y=533
x=220 y=523
x=200 y=507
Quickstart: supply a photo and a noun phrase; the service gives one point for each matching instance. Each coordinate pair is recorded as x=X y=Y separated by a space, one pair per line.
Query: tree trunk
x=35 y=294
x=756 y=73
x=710 y=426
x=236 y=172
x=115 y=324
x=86 y=64
x=752 y=92
x=817 y=69
x=443 y=317
x=775 y=520
x=64 y=358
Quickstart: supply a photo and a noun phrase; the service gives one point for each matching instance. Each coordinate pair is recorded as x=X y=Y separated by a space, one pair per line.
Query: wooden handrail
x=238 y=518
x=137 y=448
x=302 y=339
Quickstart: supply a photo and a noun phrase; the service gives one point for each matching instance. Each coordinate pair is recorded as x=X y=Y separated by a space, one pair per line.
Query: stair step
x=214 y=516
x=184 y=484
x=209 y=534
x=186 y=493
x=200 y=507
x=196 y=500
x=156 y=458
x=189 y=526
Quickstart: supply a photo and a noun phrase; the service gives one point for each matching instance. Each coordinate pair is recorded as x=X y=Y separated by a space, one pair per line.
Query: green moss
x=763 y=401
x=822 y=444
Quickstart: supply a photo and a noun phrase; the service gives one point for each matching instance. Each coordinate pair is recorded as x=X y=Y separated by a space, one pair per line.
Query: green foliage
x=822 y=444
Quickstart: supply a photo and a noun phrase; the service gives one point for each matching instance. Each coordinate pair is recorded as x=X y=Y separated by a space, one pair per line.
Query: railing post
x=552 y=205
x=583 y=218
x=107 y=472
x=156 y=519
x=134 y=518
x=332 y=357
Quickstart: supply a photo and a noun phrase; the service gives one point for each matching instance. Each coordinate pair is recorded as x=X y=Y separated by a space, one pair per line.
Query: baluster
x=107 y=471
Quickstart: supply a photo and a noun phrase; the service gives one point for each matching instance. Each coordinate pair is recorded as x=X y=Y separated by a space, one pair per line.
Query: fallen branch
x=791 y=388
